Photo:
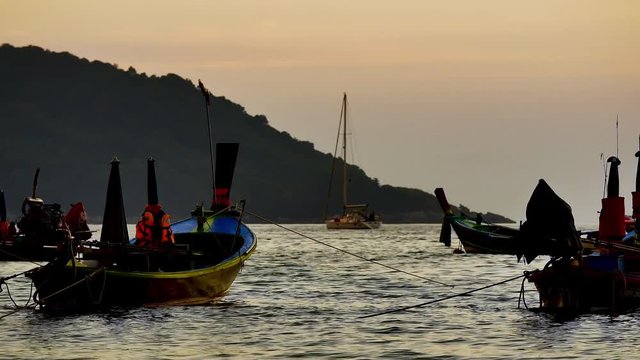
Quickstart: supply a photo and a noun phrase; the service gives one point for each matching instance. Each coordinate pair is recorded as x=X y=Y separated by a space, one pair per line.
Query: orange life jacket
x=154 y=229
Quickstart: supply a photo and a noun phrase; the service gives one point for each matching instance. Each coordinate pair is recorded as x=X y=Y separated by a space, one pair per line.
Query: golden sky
x=482 y=97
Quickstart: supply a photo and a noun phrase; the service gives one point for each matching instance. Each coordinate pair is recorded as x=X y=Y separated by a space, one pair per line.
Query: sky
x=482 y=98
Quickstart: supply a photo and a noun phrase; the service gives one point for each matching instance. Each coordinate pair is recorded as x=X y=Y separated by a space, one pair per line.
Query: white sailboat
x=354 y=216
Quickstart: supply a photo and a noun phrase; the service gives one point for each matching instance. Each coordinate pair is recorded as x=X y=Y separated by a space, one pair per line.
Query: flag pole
x=206 y=93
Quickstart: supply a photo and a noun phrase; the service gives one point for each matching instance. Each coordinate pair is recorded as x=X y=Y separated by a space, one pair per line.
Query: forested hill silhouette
x=71 y=116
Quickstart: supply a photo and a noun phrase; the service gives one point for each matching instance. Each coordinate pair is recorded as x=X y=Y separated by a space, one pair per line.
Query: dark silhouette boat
x=476 y=235
x=41 y=230
x=354 y=216
x=209 y=251
x=598 y=274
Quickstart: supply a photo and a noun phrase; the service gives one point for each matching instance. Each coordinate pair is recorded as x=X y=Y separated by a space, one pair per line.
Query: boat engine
x=42 y=222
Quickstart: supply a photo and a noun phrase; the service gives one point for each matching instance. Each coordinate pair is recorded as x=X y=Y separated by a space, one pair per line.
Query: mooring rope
x=88 y=277
x=441 y=299
x=3 y=279
x=522 y=292
x=345 y=251
x=32 y=305
x=104 y=285
x=19 y=257
x=214 y=215
x=11 y=296
x=17 y=307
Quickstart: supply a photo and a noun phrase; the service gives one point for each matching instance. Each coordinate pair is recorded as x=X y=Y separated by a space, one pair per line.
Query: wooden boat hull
x=102 y=287
x=476 y=236
x=600 y=284
x=485 y=238
x=203 y=274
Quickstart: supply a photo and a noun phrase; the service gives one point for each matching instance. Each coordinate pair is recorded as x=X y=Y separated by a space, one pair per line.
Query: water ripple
x=296 y=298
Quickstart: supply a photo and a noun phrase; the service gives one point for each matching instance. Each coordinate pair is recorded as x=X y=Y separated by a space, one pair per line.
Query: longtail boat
x=194 y=261
x=600 y=273
x=475 y=235
x=41 y=229
x=210 y=249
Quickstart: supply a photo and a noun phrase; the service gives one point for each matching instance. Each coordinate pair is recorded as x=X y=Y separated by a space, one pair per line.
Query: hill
x=70 y=116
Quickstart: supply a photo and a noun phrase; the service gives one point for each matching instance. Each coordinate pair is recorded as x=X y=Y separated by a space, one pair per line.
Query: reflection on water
x=298 y=298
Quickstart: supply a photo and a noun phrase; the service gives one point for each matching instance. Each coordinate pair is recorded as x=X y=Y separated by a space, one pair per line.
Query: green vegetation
x=70 y=116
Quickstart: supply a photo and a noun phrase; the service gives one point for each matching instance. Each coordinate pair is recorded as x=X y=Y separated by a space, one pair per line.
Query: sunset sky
x=481 y=97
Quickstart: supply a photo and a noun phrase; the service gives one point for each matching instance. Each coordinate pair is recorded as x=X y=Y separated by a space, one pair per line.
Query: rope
x=17 y=307
x=209 y=225
x=104 y=285
x=345 y=251
x=441 y=299
x=333 y=169
x=2 y=280
x=11 y=297
x=19 y=257
x=235 y=237
x=16 y=310
x=522 y=292
x=88 y=277
x=214 y=215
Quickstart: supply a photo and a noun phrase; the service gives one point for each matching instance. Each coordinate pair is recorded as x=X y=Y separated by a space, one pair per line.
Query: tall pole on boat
x=345 y=178
x=205 y=93
x=638 y=168
x=152 y=184
x=604 y=167
x=35 y=183
x=635 y=196
x=617 y=136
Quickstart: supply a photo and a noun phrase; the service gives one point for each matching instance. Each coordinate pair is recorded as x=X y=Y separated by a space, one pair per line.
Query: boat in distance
x=354 y=216
x=476 y=235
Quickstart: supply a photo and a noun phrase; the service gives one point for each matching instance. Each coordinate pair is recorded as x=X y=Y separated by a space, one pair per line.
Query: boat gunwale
x=245 y=251
x=465 y=223
x=226 y=263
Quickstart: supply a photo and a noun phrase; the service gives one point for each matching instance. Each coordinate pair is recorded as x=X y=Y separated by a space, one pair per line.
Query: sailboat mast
x=345 y=177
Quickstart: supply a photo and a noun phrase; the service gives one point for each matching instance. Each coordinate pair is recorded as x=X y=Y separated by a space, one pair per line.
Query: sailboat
x=354 y=216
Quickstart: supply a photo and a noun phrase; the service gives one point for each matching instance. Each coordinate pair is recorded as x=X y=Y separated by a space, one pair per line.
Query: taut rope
x=345 y=251
x=441 y=299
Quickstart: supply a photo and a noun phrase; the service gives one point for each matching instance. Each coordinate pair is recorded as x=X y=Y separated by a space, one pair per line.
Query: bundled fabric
x=550 y=227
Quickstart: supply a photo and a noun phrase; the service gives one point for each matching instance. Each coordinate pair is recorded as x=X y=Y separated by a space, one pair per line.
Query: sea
x=308 y=292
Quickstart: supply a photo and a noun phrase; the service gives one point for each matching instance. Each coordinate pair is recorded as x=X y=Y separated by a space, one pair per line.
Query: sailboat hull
x=346 y=224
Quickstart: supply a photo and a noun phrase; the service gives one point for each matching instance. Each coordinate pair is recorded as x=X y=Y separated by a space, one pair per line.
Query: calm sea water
x=296 y=298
